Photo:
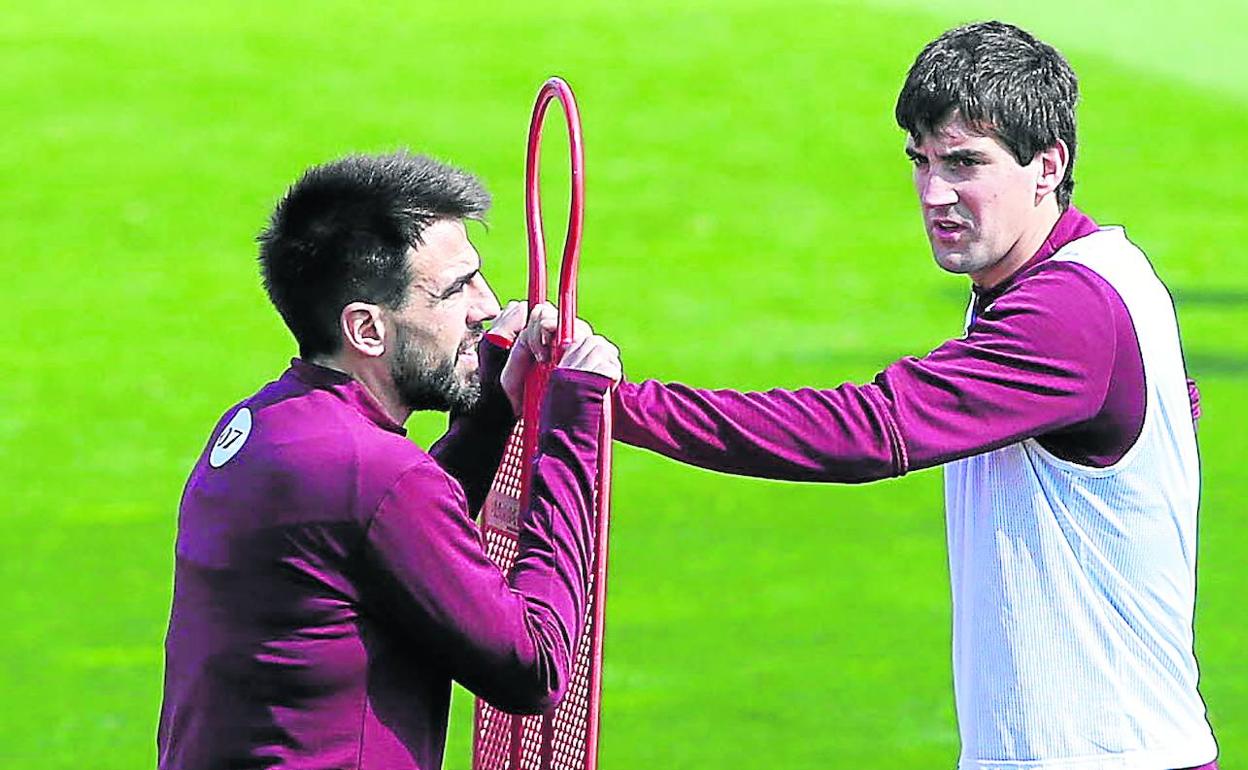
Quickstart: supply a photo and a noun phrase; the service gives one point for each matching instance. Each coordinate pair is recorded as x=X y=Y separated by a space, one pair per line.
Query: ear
x=363 y=329
x=1053 y=163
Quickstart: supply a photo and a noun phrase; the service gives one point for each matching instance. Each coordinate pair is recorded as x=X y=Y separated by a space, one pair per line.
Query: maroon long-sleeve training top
x=1051 y=354
x=330 y=582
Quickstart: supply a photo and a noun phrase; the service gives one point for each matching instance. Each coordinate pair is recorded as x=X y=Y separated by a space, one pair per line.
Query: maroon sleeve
x=846 y=434
x=1038 y=359
x=510 y=643
x=474 y=442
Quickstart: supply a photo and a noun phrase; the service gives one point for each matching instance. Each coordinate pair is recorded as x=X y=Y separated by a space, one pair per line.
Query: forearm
x=553 y=566
x=473 y=444
x=846 y=434
x=551 y=570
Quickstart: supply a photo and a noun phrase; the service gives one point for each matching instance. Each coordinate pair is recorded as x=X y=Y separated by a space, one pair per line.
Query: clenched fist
x=587 y=351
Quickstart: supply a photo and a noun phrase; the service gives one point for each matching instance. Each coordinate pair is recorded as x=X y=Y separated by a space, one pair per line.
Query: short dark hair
x=1001 y=80
x=341 y=235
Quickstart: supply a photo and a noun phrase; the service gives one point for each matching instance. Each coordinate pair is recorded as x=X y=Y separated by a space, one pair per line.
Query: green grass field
x=750 y=223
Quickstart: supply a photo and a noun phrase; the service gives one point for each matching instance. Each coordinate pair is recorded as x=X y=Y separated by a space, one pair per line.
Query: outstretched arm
x=1039 y=360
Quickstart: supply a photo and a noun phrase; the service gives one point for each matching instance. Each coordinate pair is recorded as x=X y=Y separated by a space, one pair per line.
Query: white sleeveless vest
x=1074 y=587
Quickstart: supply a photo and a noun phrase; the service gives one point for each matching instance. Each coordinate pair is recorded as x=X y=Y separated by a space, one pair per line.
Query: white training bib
x=1074 y=587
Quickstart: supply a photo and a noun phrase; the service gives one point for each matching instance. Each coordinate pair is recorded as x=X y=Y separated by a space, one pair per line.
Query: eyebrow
x=975 y=156
x=971 y=155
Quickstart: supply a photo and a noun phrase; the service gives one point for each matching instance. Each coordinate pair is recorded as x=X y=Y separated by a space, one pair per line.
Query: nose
x=934 y=190
x=485 y=305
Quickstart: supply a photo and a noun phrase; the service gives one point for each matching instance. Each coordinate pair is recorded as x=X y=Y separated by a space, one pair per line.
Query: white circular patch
x=232 y=438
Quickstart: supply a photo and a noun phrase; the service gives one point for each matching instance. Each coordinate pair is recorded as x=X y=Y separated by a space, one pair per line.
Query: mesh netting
x=557 y=740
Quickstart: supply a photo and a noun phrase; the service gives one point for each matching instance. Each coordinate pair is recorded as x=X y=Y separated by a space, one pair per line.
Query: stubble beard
x=426 y=382
x=965 y=259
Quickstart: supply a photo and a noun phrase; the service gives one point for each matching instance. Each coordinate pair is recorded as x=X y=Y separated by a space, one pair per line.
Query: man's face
x=433 y=353
x=977 y=201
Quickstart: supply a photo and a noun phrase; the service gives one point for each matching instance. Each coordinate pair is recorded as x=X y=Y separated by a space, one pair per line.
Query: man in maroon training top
x=330 y=582
x=1063 y=417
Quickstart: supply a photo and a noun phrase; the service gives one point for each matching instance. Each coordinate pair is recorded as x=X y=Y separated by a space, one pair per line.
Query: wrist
x=574 y=398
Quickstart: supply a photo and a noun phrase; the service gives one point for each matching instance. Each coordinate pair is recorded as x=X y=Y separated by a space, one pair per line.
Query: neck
x=372 y=374
x=1024 y=248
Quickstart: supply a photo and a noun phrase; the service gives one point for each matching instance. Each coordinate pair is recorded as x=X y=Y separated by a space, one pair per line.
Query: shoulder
x=325 y=430
x=1060 y=291
x=329 y=451
x=1058 y=314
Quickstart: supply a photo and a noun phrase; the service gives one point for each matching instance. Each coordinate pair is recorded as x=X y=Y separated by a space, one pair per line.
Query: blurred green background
x=750 y=223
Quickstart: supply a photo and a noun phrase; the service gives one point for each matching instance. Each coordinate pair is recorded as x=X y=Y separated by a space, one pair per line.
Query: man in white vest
x=1063 y=416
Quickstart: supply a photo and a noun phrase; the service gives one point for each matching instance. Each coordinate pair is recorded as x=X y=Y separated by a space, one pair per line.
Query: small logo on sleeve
x=231 y=439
